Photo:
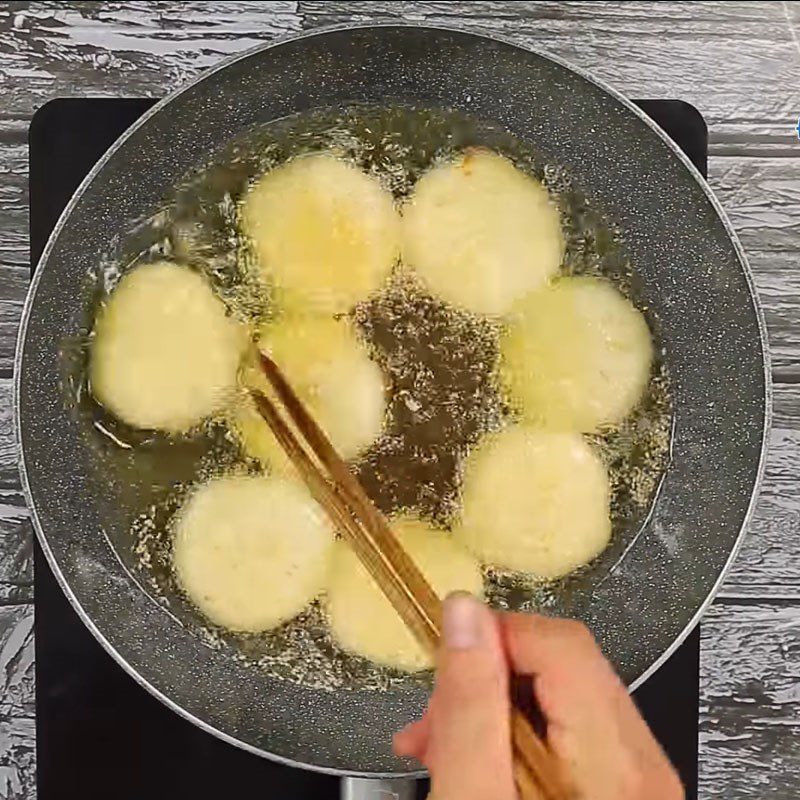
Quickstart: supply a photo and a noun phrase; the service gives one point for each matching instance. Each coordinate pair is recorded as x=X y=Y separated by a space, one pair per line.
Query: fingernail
x=461 y=622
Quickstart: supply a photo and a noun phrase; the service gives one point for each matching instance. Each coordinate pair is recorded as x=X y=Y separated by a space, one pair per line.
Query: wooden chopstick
x=383 y=554
x=537 y=774
x=387 y=571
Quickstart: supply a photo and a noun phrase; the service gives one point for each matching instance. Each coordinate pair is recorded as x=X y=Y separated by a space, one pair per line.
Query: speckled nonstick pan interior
x=692 y=276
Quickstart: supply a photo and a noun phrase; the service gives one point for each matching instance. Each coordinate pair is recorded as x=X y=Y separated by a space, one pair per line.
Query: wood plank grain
x=16 y=551
x=137 y=49
x=643 y=49
x=16 y=535
x=16 y=661
x=777 y=280
x=13 y=288
x=14 y=192
x=762 y=197
x=17 y=758
x=14 y=245
x=17 y=725
x=769 y=562
x=750 y=702
x=90 y=48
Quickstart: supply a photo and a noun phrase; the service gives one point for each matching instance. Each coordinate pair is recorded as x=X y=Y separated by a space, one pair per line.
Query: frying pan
x=693 y=277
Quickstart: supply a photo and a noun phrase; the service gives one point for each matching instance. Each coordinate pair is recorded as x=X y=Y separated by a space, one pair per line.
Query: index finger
x=572 y=677
x=537 y=645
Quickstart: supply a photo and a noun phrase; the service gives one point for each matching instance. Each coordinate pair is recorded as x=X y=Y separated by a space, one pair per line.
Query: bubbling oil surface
x=439 y=363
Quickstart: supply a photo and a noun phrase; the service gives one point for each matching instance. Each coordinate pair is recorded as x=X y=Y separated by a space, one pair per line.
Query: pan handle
x=378 y=789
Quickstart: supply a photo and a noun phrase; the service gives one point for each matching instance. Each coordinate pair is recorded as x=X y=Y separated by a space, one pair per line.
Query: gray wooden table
x=739 y=63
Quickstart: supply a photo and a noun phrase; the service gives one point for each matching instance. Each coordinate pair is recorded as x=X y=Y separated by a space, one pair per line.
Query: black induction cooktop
x=98 y=732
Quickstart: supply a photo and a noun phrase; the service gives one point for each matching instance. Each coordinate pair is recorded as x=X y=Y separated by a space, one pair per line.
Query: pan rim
x=475 y=32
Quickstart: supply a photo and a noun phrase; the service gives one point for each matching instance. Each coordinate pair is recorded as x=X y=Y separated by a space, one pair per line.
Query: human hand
x=593 y=726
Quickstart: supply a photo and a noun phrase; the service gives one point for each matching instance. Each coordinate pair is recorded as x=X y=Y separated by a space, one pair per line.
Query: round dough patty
x=363 y=621
x=251 y=552
x=576 y=355
x=480 y=233
x=325 y=233
x=164 y=353
x=535 y=501
x=331 y=371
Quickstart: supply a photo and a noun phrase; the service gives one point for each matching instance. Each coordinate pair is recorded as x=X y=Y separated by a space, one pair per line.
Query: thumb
x=469 y=746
